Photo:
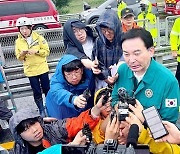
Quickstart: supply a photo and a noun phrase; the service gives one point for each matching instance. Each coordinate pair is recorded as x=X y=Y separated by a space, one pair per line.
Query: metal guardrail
x=19 y=89
x=63 y=18
x=169 y=21
x=14 y=71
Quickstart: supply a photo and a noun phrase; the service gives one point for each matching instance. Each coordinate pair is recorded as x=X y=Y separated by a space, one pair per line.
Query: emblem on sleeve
x=148 y=93
x=171 y=102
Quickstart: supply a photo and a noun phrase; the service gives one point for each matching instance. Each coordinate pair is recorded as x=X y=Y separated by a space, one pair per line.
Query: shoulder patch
x=171 y=102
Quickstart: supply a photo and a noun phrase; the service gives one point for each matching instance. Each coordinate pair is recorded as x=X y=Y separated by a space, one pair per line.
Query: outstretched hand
x=80 y=101
x=137 y=110
x=132 y=119
x=95 y=68
x=173 y=136
x=79 y=139
x=98 y=107
x=111 y=80
x=112 y=129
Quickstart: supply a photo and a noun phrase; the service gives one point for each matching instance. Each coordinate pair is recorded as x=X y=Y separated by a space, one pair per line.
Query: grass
x=76 y=6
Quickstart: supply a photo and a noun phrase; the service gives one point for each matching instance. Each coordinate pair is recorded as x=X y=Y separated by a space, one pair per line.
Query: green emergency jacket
x=158 y=87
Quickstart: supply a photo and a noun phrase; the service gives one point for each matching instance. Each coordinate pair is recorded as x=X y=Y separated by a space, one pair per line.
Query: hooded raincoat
x=60 y=98
x=56 y=132
x=107 y=53
x=35 y=64
x=70 y=40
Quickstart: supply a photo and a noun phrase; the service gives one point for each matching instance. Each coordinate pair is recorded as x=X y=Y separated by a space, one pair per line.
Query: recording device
x=123 y=105
x=110 y=146
x=154 y=122
x=106 y=94
x=113 y=114
x=87 y=131
x=132 y=139
x=133 y=136
x=96 y=62
x=87 y=94
x=123 y=111
x=124 y=97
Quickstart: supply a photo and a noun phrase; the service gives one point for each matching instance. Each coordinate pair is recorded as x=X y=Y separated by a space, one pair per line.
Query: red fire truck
x=172 y=7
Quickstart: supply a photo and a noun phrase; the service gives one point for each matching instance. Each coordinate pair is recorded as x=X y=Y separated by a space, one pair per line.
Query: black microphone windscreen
x=133 y=135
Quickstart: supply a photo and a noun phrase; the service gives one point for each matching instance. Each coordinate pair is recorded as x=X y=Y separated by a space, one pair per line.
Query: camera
x=87 y=94
x=107 y=94
x=87 y=131
x=123 y=106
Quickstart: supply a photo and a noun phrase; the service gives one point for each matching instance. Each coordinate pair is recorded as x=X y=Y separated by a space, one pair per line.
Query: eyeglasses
x=105 y=30
x=78 y=30
x=73 y=73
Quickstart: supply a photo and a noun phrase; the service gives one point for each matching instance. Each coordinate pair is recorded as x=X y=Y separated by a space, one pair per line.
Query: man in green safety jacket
x=146 y=13
x=121 y=5
x=175 y=45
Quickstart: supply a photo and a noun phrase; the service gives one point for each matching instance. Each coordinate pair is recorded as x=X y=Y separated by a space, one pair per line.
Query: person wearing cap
x=149 y=18
x=127 y=20
x=32 y=49
x=80 y=37
x=98 y=131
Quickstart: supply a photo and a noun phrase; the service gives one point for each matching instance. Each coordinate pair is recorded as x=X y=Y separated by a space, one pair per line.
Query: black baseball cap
x=78 y=24
x=127 y=11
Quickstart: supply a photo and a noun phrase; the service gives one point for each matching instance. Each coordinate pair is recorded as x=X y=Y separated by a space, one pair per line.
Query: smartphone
x=96 y=62
x=154 y=122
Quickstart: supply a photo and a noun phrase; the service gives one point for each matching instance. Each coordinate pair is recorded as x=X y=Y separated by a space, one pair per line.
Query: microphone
x=133 y=136
x=122 y=93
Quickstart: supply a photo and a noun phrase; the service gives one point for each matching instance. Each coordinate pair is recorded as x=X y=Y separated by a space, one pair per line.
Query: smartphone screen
x=154 y=122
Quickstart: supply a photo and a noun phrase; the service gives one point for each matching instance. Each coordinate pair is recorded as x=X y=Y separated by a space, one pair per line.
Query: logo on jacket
x=148 y=93
x=171 y=102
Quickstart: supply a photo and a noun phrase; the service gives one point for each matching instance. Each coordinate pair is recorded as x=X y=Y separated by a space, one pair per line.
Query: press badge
x=171 y=102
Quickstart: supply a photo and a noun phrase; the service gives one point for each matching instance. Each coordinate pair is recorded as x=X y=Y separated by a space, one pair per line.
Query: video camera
x=122 y=149
x=112 y=146
x=131 y=147
x=123 y=105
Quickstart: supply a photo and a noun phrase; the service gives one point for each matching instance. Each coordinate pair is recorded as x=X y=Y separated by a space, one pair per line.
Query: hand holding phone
x=96 y=62
x=154 y=122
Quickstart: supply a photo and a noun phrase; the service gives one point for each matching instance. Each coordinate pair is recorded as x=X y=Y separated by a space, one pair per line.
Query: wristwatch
x=110 y=144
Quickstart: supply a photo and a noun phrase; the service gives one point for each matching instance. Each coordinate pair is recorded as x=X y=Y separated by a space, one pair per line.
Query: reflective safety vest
x=175 y=38
x=122 y=5
x=149 y=22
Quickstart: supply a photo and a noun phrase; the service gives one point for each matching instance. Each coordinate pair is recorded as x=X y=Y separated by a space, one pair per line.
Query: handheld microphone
x=133 y=136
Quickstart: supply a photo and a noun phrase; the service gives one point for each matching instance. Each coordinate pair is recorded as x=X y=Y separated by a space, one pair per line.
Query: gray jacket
x=55 y=132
